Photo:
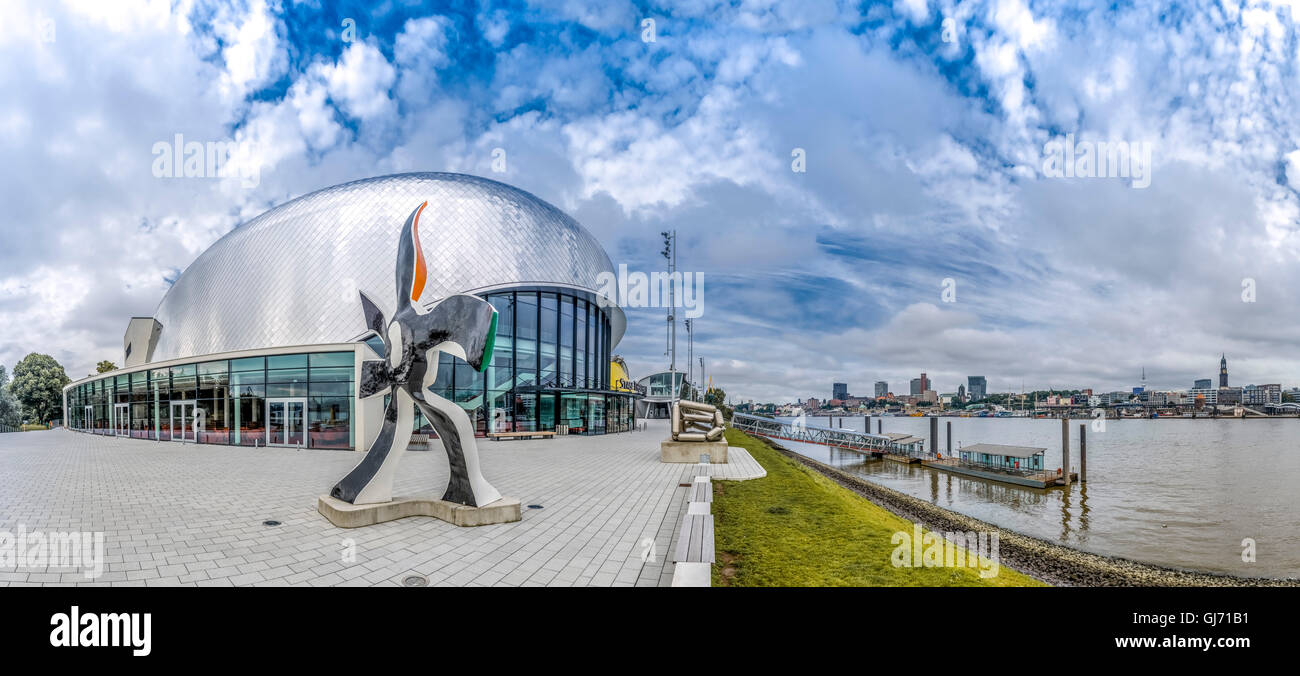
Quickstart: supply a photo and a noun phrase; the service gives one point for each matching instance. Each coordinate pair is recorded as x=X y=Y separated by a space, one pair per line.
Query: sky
x=870 y=190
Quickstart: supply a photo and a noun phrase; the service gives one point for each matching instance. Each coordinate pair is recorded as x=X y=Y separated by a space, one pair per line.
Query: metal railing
x=9 y=428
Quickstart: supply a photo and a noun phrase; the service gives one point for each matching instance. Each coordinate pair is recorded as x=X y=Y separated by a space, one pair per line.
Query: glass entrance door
x=122 y=420
x=286 y=422
x=182 y=421
x=89 y=422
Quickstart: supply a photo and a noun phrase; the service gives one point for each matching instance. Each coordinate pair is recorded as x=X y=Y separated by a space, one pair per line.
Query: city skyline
x=1222 y=372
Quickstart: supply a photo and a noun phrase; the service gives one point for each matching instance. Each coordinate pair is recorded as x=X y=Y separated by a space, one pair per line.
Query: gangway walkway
x=797 y=430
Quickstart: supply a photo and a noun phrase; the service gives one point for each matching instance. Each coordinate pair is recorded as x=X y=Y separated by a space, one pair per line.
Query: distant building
x=1210 y=394
x=1261 y=394
x=925 y=383
x=916 y=388
x=839 y=391
x=977 y=387
x=812 y=404
x=961 y=393
x=1229 y=395
x=882 y=388
x=1223 y=370
x=1112 y=398
x=1158 y=398
x=1202 y=384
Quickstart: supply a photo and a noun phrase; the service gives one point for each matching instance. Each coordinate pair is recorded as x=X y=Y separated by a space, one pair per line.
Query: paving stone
x=192 y=515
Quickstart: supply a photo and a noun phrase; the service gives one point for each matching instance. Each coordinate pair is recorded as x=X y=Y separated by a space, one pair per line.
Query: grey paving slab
x=185 y=514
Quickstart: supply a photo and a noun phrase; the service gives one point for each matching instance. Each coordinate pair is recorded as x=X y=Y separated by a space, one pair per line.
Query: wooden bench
x=694 y=555
x=498 y=436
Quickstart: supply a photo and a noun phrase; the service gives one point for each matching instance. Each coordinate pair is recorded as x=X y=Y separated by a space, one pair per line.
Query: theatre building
x=260 y=341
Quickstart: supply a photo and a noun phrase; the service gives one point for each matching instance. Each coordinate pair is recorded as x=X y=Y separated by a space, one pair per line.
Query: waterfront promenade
x=193 y=515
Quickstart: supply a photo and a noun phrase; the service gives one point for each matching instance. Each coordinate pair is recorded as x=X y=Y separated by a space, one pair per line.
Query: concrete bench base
x=690 y=451
x=347 y=515
x=693 y=575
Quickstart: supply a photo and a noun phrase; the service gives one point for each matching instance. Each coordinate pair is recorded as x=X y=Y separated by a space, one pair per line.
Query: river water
x=1176 y=492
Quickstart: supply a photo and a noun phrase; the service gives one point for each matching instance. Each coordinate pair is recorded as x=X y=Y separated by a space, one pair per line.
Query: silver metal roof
x=999 y=449
x=290 y=276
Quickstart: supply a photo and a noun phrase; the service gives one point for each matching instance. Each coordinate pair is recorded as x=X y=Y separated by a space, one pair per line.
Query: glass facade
x=297 y=399
x=549 y=370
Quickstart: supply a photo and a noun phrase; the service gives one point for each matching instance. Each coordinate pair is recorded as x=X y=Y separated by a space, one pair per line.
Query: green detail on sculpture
x=491 y=343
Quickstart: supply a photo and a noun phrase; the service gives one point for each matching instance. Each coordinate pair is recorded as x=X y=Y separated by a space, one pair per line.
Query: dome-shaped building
x=260 y=340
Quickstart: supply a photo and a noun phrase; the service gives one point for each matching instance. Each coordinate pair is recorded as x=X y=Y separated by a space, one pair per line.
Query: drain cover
x=534 y=506
x=415 y=581
x=270 y=522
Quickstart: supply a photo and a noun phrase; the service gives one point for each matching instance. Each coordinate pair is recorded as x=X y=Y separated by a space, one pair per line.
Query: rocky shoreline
x=1047 y=561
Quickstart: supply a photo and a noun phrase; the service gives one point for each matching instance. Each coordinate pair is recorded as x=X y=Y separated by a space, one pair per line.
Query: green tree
x=105 y=366
x=10 y=412
x=715 y=396
x=38 y=385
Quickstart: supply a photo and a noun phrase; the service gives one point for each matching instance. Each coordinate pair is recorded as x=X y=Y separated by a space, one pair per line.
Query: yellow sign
x=619 y=381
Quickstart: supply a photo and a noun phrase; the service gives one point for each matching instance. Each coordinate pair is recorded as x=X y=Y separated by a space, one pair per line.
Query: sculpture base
x=347 y=515
x=690 y=451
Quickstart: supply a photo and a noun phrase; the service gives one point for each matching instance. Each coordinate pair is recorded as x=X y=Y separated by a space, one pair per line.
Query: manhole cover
x=270 y=522
x=534 y=506
x=415 y=581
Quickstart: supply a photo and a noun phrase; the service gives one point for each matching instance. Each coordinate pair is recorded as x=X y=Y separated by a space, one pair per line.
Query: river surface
x=1178 y=492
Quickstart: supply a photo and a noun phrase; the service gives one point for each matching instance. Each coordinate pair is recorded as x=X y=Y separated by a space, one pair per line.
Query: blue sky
x=924 y=126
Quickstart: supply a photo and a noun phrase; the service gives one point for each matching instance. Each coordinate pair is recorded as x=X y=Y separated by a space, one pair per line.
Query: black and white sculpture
x=461 y=325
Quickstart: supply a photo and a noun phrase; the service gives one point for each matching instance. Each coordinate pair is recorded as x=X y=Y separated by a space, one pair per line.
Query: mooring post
x=1083 y=453
x=866 y=426
x=948 y=449
x=880 y=426
x=1065 y=450
x=934 y=435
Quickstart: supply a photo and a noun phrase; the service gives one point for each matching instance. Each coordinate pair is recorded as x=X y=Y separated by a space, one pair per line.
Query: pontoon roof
x=1000 y=449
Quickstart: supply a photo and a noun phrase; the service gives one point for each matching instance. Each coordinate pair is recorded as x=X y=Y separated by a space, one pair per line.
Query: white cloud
x=359 y=83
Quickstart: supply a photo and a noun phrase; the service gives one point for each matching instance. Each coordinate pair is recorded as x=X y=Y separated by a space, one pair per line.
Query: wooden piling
x=934 y=435
x=1065 y=450
x=949 y=447
x=1083 y=453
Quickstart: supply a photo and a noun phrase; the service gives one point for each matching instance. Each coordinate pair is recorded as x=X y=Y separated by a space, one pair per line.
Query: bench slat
x=706 y=552
x=697 y=538
x=683 y=540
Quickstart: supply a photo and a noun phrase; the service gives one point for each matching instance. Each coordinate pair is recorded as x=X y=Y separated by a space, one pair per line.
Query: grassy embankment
x=797 y=528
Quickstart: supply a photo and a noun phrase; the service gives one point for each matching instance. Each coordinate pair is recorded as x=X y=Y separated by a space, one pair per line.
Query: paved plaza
x=192 y=515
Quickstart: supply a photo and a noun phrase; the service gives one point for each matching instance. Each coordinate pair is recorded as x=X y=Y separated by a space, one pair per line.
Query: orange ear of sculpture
x=417 y=286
